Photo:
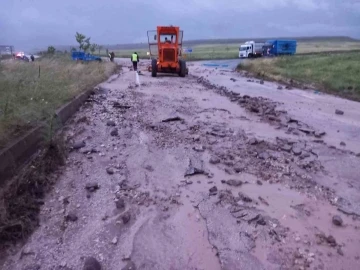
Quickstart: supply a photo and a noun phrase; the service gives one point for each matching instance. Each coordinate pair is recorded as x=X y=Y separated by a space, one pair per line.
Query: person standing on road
x=112 y=56
x=32 y=58
x=135 y=59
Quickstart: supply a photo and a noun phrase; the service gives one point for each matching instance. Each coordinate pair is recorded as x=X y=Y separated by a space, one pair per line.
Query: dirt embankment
x=188 y=174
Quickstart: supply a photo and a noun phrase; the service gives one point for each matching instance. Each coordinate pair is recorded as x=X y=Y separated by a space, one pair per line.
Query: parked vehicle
x=280 y=47
x=82 y=56
x=251 y=49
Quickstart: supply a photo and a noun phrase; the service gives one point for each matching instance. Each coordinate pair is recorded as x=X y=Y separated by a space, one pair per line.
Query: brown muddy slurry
x=203 y=172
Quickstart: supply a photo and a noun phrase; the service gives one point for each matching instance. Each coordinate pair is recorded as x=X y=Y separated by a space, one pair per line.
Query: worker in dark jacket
x=112 y=56
x=135 y=59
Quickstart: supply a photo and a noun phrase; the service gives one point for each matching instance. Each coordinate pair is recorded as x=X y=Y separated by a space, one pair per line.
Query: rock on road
x=212 y=171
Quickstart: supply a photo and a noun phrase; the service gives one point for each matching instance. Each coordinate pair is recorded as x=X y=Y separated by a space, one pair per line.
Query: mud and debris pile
x=160 y=179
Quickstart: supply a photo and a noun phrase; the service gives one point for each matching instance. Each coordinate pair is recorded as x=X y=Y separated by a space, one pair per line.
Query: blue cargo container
x=84 y=56
x=280 y=47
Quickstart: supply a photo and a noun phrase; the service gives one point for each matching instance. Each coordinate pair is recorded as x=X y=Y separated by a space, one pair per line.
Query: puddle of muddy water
x=190 y=224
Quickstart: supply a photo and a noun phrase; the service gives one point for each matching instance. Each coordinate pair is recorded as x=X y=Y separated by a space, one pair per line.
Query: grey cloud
x=39 y=23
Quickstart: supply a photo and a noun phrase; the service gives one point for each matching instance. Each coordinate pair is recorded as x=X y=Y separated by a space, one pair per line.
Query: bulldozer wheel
x=153 y=68
x=182 y=72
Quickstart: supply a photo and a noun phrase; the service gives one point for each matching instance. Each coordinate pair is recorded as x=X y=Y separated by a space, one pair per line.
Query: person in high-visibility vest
x=135 y=59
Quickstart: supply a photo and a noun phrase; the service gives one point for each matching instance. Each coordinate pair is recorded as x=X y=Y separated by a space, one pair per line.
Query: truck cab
x=244 y=51
x=251 y=49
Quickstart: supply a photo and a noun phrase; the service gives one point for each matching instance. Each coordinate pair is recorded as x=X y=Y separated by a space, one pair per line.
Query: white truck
x=251 y=49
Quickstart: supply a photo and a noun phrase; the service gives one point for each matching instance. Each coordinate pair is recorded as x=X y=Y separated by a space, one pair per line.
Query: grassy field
x=334 y=73
x=231 y=50
x=26 y=99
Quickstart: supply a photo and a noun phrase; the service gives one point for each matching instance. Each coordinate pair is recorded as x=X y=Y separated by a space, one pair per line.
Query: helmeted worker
x=135 y=59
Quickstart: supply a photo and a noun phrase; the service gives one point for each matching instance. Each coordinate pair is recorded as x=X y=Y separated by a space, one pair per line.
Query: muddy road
x=213 y=171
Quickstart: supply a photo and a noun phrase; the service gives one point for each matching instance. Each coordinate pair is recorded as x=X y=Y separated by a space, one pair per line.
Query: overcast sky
x=39 y=23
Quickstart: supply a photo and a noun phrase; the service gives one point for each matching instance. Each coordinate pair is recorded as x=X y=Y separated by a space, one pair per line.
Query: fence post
x=39 y=71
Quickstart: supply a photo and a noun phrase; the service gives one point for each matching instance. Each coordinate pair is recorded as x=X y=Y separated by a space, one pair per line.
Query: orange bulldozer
x=165 y=46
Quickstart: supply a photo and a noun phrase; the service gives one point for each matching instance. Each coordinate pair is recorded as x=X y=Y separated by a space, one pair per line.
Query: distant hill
x=237 y=41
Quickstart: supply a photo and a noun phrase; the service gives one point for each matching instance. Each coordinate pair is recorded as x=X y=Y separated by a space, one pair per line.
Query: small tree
x=86 y=45
x=80 y=38
x=51 y=50
x=93 y=47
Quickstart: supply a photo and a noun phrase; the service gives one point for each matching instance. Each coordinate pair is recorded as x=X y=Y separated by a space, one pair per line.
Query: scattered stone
x=234 y=183
x=239 y=167
x=232 y=79
x=288 y=87
x=149 y=168
x=196 y=138
x=126 y=218
x=91 y=264
x=244 y=197
x=259 y=183
x=358 y=154
x=297 y=151
x=261 y=221
x=279 y=87
x=78 y=145
x=306 y=130
x=223 y=181
x=110 y=171
x=342 y=144
x=114 y=240
x=340 y=252
x=92 y=187
x=71 y=216
x=229 y=163
x=228 y=171
x=26 y=251
x=172 y=118
x=213 y=191
x=297 y=239
x=199 y=148
x=286 y=147
x=188 y=182
x=305 y=155
x=110 y=123
x=254 y=109
x=264 y=155
x=114 y=132
x=331 y=240
x=120 y=203
x=337 y=220
x=339 y=112
x=262 y=82
x=319 y=134
x=214 y=160
x=82 y=119
x=263 y=201
x=195 y=167
x=66 y=200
